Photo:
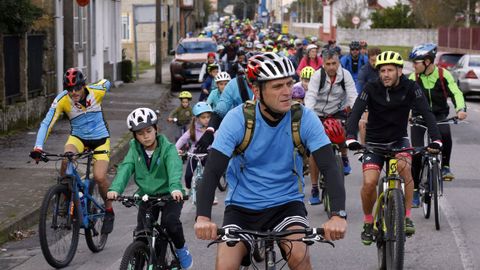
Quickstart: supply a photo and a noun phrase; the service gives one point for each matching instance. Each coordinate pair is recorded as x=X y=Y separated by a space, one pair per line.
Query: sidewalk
x=24 y=183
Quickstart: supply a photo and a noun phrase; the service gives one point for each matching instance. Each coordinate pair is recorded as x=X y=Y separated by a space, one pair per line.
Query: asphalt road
x=455 y=246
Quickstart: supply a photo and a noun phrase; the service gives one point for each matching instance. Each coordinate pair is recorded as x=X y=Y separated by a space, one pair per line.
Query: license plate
x=195 y=71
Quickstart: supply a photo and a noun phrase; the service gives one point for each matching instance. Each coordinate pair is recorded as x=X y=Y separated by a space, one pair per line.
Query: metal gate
x=11 y=52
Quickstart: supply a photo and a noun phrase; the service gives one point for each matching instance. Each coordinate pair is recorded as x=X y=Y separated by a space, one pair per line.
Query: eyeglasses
x=354 y=49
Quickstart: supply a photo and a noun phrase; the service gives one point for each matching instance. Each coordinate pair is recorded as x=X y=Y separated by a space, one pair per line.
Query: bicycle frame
x=78 y=185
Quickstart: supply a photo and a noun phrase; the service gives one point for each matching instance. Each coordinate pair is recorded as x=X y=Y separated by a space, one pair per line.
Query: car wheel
x=175 y=86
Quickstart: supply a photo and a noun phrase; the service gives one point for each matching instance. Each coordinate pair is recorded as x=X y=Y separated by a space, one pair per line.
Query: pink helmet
x=298 y=92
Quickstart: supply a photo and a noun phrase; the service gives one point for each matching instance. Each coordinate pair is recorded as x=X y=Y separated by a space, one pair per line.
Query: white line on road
x=458 y=234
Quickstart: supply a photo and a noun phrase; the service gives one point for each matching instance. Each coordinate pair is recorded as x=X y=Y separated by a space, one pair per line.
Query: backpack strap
x=249 y=114
x=296 y=117
x=342 y=82
x=442 y=82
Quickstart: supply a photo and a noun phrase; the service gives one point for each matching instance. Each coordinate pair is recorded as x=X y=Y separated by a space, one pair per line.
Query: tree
x=398 y=16
x=348 y=10
x=17 y=16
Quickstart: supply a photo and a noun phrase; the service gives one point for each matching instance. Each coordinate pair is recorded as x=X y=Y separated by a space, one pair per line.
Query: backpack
x=442 y=81
x=241 y=87
x=249 y=114
x=323 y=79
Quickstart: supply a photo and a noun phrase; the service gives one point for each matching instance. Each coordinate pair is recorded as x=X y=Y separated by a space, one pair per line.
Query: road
x=455 y=246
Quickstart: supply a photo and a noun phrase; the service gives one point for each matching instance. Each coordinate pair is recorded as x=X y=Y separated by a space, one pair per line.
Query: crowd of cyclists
x=259 y=139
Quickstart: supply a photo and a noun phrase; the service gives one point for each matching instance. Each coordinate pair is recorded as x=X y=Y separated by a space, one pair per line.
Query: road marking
x=460 y=239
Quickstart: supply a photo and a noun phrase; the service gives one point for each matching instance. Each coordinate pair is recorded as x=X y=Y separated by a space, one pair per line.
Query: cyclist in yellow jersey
x=82 y=104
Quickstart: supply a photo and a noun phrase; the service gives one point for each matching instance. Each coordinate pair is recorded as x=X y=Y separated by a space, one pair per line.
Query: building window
x=126 y=27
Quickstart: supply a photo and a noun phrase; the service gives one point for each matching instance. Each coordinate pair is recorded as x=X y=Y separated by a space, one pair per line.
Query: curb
x=32 y=217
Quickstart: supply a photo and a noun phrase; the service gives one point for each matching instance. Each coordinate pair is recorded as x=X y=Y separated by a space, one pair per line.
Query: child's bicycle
x=73 y=203
x=389 y=212
x=197 y=173
x=152 y=247
x=268 y=239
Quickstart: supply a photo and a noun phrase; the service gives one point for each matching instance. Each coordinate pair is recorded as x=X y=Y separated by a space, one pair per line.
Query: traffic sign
x=355 y=20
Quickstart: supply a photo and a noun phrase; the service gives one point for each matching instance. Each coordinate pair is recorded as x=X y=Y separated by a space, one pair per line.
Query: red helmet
x=334 y=130
x=73 y=78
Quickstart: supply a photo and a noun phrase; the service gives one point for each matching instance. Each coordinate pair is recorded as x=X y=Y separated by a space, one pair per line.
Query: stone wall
x=389 y=37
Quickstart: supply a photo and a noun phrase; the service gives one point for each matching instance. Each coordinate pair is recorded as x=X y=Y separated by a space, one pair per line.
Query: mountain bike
x=232 y=236
x=389 y=212
x=73 y=203
x=152 y=247
x=431 y=181
x=197 y=173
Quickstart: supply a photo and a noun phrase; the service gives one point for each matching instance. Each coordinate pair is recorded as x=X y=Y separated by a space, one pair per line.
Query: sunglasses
x=74 y=88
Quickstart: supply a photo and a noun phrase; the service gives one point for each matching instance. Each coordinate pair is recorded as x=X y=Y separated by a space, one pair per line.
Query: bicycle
x=71 y=204
x=389 y=211
x=197 y=173
x=431 y=181
x=231 y=236
x=152 y=248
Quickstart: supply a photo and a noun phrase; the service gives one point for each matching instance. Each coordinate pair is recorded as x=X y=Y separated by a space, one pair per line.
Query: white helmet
x=222 y=76
x=141 y=118
x=220 y=47
x=269 y=66
x=311 y=46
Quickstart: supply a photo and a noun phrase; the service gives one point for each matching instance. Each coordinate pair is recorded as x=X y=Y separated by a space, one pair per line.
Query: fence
x=459 y=38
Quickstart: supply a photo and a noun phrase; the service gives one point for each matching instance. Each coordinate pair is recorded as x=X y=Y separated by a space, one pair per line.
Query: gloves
x=36 y=154
x=435 y=145
x=205 y=141
x=353 y=144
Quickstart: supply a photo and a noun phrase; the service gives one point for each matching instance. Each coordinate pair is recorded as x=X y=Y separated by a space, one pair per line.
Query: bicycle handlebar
x=418 y=121
x=44 y=156
x=232 y=236
x=129 y=201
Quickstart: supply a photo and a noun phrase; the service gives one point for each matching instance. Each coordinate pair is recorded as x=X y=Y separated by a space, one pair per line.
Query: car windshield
x=196 y=47
x=474 y=61
x=450 y=58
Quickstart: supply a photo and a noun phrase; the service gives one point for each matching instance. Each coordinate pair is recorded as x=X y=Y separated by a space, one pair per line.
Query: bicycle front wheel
x=395 y=234
x=136 y=256
x=166 y=257
x=426 y=195
x=436 y=178
x=95 y=240
x=59 y=227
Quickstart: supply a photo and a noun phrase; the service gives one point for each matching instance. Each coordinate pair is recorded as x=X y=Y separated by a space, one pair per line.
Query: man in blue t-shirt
x=266 y=186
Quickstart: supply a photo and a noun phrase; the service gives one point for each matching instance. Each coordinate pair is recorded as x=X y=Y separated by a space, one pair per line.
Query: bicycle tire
x=166 y=257
x=136 y=256
x=222 y=183
x=95 y=240
x=380 y=234
x=395 y=235
x=65 y=231
x=435 y=188
x=426 y=194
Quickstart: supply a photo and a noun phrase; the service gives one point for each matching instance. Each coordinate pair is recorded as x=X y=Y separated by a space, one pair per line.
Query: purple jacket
x=185 y=138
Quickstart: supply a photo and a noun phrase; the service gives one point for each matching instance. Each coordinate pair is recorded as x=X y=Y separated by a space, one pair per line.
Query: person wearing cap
x=354 y=61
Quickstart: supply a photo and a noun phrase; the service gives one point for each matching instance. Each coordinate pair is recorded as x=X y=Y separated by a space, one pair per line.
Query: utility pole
x=158 y=42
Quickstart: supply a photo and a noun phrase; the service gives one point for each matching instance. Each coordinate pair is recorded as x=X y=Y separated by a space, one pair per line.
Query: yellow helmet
x=307 y=72
x=185 y=94
x=389 y=58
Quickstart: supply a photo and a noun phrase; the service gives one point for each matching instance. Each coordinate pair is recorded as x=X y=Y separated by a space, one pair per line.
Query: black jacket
x=389 y=109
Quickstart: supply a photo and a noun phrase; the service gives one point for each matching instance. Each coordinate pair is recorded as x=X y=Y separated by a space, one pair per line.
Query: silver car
x=467 y=73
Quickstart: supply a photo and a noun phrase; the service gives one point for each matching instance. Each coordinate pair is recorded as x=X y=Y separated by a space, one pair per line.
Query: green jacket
x=183 y=115
x=433 y=90
x=165 y=171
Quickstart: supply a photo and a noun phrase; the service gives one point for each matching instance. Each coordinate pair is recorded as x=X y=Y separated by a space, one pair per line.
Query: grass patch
x=142 y=67
x=403 y=51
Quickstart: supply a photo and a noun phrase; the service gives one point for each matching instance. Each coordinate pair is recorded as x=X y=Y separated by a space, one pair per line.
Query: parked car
x=467 y=73
x=190 y=54
x=447 y=59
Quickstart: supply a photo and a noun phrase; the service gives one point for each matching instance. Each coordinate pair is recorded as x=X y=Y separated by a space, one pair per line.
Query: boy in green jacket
x=158 y=170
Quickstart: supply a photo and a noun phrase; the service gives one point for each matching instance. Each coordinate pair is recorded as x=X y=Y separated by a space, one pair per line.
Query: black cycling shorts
x=372 y=161
x=278 y=218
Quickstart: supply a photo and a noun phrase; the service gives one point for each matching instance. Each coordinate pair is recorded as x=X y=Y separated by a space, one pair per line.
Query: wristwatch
x=340 y=213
